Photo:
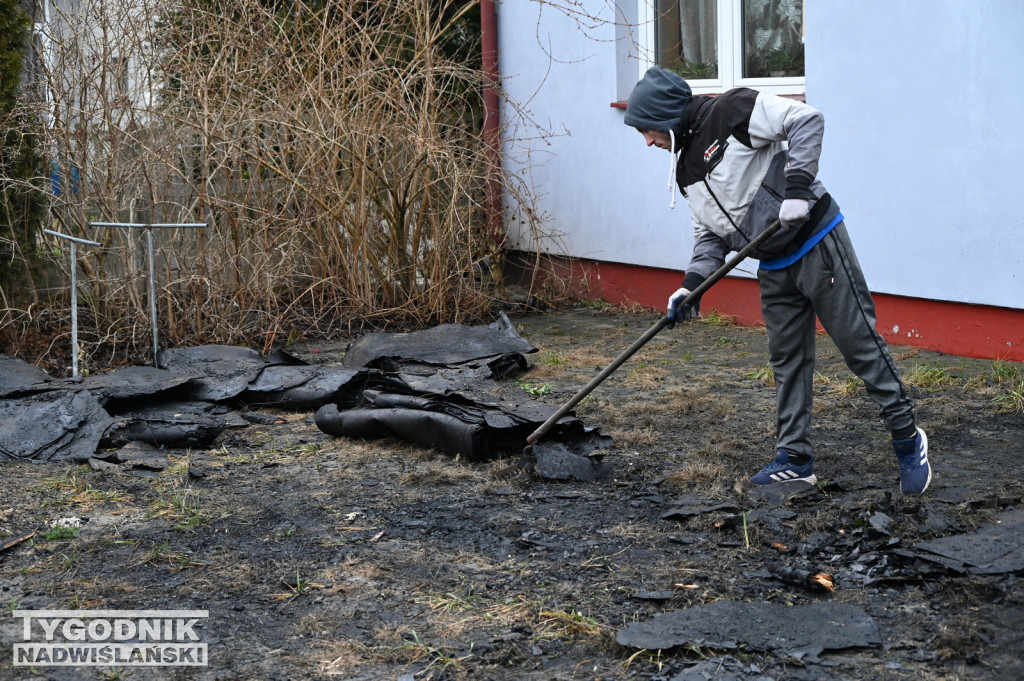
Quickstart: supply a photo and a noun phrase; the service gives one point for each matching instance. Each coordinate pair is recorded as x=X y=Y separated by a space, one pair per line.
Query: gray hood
x=660 y=101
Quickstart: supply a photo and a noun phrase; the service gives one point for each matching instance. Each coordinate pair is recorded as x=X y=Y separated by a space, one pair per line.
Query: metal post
x=152 y=271
x=74 y=292
x=152 y=291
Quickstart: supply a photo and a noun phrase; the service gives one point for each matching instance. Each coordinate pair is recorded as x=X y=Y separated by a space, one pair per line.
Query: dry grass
x=645 y=375
x=699 y=472
x=764 y=374
x=839 y=386
x=589 y=356
x=686 y=401
x=442 y=470
x=636 y=438
x=333 y=150
x=807 y=524
x=568 y=624
x=342 y=656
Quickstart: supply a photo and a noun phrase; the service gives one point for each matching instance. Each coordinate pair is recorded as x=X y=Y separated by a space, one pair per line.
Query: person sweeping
x=743 y=160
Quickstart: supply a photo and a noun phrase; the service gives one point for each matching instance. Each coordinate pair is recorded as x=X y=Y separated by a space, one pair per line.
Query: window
x=720 y=44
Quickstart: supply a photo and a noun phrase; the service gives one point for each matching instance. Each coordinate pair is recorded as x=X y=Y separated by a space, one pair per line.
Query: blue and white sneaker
x=782 y=470
x=912 y=455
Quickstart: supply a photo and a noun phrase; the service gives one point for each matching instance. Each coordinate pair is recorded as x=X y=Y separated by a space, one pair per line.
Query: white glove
x=681 y=313
x=794 y=212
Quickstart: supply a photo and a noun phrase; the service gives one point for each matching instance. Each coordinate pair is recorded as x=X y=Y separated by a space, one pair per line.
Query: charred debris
x=438 y=388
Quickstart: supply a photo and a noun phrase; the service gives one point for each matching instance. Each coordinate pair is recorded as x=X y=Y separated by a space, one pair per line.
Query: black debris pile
x=800 y=632
x=437 y=388
x=996 y=548
x=51 y=426
x=497 y=346
x=135 y=458
x=175 y=423
x=17 y=377
x=865 y=546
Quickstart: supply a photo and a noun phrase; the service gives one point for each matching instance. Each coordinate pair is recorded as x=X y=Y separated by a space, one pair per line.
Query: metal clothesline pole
x=152 y=274
x=74 y=292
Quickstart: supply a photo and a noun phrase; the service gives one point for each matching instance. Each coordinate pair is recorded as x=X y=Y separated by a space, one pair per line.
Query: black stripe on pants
x=827 y=283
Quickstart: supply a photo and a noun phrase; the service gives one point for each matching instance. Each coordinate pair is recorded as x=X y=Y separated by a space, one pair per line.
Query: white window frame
x=730 y=53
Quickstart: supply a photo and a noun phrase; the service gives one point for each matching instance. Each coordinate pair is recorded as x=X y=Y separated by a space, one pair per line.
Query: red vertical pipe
x=492 y=137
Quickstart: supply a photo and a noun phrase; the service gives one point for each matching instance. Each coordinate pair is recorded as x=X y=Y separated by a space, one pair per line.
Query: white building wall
x=599 y=186
x=921 y=149
x=923 y=104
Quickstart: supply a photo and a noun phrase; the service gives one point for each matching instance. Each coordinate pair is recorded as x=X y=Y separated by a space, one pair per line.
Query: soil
x=374 y=559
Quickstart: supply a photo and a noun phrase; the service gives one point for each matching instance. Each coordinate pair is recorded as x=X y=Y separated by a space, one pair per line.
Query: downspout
x=492 y=136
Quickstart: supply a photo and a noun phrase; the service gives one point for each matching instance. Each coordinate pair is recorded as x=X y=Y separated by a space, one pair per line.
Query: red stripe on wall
x=980 y=331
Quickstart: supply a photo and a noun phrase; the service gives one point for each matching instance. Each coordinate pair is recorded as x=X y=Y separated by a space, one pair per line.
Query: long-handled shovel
x=651 y=333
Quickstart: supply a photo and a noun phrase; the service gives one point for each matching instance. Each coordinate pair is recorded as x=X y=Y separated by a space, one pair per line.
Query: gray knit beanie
x=660 y=101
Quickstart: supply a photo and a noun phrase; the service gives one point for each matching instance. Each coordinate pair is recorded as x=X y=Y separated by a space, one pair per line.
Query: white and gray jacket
x=743 y=153
x=735 y=157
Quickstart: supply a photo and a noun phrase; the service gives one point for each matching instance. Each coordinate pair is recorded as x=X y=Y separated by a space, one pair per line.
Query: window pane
x=773 y=44
x=687 y=37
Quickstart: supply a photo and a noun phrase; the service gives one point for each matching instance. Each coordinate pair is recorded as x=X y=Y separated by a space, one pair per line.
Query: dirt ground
x=320 y=557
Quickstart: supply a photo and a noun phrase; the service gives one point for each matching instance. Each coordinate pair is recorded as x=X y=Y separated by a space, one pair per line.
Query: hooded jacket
x=735 y=157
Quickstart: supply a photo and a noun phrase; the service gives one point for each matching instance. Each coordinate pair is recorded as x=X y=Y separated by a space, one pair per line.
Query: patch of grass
x=1006 y=372
x=184 y=506
x=1012 y=400
x=551 y=359
x=345 y=655
x=695 y=472
x=839 y=386
x=764 y=374
x=651 y=657
x=68 y=563
x=1008 y=378
x=437 y=657
x=716 y=318
x=451 y=601
x=637 y=438
x=71 y=488
x=78 y=602
x=685 y=400
x=851 y=386
x=557 y=624
x=588 y=356
x=533 y=388
x=645 y=375
x=589 y=405
x=440 y=471
x=930 y=378
x=305 y=449
x=69 y=482
x=161 y=554
x=60 y=533
x=63 y=528
x=300 y=584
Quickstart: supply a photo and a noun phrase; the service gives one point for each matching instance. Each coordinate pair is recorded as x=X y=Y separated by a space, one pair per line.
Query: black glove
x=677 y=311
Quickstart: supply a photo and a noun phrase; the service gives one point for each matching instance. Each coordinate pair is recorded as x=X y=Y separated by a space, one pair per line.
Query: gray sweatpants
x=827 y=283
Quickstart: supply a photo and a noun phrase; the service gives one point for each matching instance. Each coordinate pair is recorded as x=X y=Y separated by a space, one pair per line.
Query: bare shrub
x=331 y=147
